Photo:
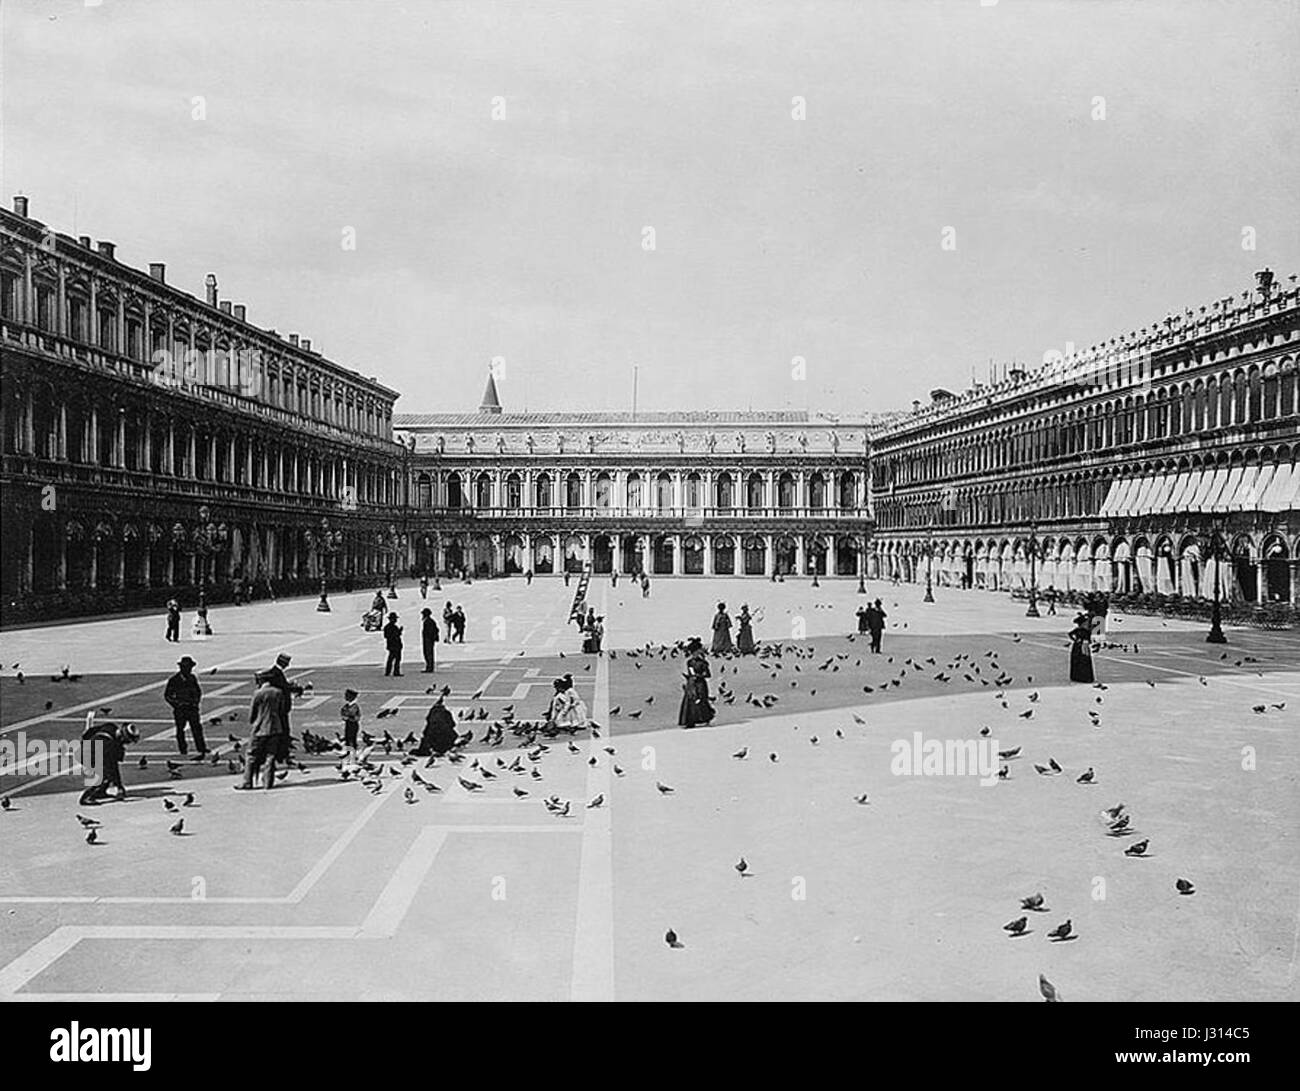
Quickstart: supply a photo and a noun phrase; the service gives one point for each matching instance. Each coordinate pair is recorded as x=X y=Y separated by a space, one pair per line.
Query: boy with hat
x=104 y=750
x=350 y=711
x=184 y=695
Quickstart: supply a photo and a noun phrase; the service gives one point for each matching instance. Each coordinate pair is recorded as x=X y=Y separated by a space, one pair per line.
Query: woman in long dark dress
x=697 y=708
x=1081 y=650
x=745 y=633
x=722 y=631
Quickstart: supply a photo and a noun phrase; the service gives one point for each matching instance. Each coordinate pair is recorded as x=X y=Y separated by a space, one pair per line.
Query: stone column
x=769 y=554
x=800 y=560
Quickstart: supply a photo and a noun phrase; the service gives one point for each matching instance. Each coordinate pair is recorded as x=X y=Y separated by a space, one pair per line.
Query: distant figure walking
x=393 y=642
x=645 y=586
x=722 y=632
x=697 y=706
x=1081 y=650
x=876 y=623
x=458 y=619
x=173 y=621
x=1051 y=601
x=528 y=578
x=424 y=587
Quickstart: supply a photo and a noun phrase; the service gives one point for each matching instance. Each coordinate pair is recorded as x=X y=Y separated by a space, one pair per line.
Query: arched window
x=514 y=492
x=604 y=490
x=664 y=492
x=785 y=491
x=454 y=497
x=693 y=491
x=543 y=489
x=848 y=490
x=1269 y=408
x=754 y=490
x=634 y=496
x=424 y=491
x=483 y=491
x=817 y=492
x=725 y=499
x=573 y=492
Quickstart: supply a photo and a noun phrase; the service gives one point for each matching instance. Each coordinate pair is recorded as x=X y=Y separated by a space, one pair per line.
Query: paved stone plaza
x=322 y=890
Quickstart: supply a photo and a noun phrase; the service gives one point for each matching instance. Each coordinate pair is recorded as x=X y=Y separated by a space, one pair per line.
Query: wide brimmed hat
x=283 y=659
x=186 y=661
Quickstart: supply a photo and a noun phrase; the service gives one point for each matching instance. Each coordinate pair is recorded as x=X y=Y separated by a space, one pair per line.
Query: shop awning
x=1224 y=501
x=1197 y=501
x=1283 y=492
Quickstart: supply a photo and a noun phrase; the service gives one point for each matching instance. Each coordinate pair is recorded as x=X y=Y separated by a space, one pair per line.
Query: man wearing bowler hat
x=276 y=677
x=184 y=695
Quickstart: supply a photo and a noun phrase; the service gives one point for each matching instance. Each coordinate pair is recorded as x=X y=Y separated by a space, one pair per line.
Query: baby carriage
x=372 y=621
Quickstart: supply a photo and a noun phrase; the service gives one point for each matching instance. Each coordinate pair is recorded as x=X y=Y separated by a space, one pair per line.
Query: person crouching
x=104 y=751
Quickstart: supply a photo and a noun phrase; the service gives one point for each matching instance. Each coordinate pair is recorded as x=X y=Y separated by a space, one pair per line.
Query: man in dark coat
x=439 y=734
x=173 y=621
x=276 y=677
x=267 y=720
x=393 y=642
x=876 y=623
x=429 y=638
x=184 y=694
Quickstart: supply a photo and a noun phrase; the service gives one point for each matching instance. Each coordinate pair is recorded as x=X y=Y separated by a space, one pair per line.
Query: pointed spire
x=491 y=403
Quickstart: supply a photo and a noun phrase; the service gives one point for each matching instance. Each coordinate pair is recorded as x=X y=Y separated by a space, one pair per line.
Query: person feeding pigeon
x=103 y=752
x=268 y=720
x=439 y=733
x=745 y=643
x=290 y=691
x=350 y=713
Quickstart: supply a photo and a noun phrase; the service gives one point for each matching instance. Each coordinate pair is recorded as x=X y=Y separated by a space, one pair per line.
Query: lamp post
x=1215 y=635
x=326 y=542
x=1033 y=571
x=862 y=567
x=208 y=540
x=392 y=559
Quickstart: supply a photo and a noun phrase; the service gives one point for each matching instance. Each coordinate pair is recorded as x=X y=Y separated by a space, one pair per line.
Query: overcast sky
x=522 y=237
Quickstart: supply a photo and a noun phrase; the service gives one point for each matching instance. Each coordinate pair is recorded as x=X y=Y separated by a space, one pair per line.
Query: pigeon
x=92 y=838
x=1185 y=886
x=597 y=802
x=1138 y=849
x=87 y=823
x=1026 y=714
x=741 y=866
x=1086 y=778
x=1042 y=770
x=1033 y=902
x=742 y=753
x=664 y=789
x=1017 y=926
x=618 y=772
x=177 y=827
x=861 y=799
x=519 y=792
x=1114 y=812
x=670 y=938
x=1013 y=753
x=169 y=805
x=470 y=785
x=1052 y=762
x=772 y=756
x=1048 y=990
x=1121 y=824
x=1062 y=931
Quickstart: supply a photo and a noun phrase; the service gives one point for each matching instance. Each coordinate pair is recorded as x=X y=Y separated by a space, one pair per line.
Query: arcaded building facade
x=1126 y=468
x=155 y=442
x=682 y=494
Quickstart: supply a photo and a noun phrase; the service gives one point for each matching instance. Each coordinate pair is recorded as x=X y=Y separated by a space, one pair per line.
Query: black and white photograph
x=648 y=501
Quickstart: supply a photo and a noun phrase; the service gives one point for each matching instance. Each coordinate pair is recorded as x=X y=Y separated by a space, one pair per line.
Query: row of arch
x=1253 y=567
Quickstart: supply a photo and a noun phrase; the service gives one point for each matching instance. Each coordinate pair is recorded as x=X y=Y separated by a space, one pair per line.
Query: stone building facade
x=1136 y=467
x=154 y=442
x=690 y=493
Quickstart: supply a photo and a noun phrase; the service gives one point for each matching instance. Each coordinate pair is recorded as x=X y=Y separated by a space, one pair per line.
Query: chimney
x=85 y=242
x=293 y=339
x=239 y=311
x=210 y=284
x=158 y=271
x=916 y=405
x=306 y=345
x=1264 y=281
x=20 y=206
x=225 y=306
x=107 y=248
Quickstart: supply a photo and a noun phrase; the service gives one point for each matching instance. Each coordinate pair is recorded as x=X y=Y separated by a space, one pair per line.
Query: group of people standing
x=722 y=645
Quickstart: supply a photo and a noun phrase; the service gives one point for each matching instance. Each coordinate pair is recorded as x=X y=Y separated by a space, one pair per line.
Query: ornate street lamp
x=862 y=566
x=1215 y=635
x=208 y=540
x=392 y=559
x=326 y=543
x=1033 y=571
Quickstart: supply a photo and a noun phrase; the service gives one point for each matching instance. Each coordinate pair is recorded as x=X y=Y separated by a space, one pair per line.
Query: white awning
x=1128 y=490
x=1223 y=503
x=1217 y=481
x=1159 y=494
x=1197 y=501
x=1183 y=483
x=1284 y=490
x=1243 y=496
x=1137 y=498
x=1117 y=486
x=1262 y=483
